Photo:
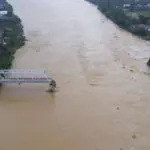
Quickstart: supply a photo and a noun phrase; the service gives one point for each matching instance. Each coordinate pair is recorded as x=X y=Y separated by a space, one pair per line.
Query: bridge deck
x=13 y=76
x=25 y=80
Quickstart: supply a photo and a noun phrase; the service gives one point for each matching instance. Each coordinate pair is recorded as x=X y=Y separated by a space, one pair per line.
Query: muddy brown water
x=103 y=98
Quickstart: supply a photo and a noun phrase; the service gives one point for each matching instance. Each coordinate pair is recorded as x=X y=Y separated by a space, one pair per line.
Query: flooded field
x=102 y=100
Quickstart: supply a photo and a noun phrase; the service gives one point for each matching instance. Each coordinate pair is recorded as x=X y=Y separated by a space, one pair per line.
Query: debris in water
x=146 y=73
x=133 y=136
x=121 y=148
x=93 y=84
x=123 y=66
x=131 y=70
x=118 y=108
x=115 y=36
x=52 y=86
x=37 y=50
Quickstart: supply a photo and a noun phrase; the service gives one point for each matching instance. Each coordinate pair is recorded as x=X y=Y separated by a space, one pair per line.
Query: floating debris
x=118 y=108
x=131 y=70
x=148 y=63
x=134 y=136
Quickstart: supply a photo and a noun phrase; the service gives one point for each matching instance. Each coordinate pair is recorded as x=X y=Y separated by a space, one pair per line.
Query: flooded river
x=103 y=100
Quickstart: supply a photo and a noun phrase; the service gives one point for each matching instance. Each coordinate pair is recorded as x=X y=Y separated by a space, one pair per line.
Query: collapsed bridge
x=27 y=76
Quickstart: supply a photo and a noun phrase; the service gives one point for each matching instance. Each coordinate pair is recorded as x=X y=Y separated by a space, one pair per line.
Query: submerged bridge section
x=24 y=76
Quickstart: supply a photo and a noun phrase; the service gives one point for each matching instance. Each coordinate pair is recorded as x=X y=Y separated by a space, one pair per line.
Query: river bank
x=11 y=35
x=138 y=25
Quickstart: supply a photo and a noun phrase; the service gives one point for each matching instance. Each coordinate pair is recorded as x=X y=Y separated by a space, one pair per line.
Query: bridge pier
x=52 y=86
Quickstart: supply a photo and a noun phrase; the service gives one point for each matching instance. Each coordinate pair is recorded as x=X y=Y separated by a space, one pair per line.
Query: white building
x=3 y=12
x=126 y=5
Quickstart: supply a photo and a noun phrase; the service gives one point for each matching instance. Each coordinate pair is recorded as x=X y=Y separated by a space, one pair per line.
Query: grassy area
x=132 y=15
x=143 y=13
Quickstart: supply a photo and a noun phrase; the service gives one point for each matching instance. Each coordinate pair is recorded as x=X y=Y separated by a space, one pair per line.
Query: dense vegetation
x=126 y=22
x=114 y=11
x=11 y=37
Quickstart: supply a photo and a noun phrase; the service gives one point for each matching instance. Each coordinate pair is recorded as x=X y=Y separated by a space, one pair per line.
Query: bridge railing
x=24 y=75
x=23 y=71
